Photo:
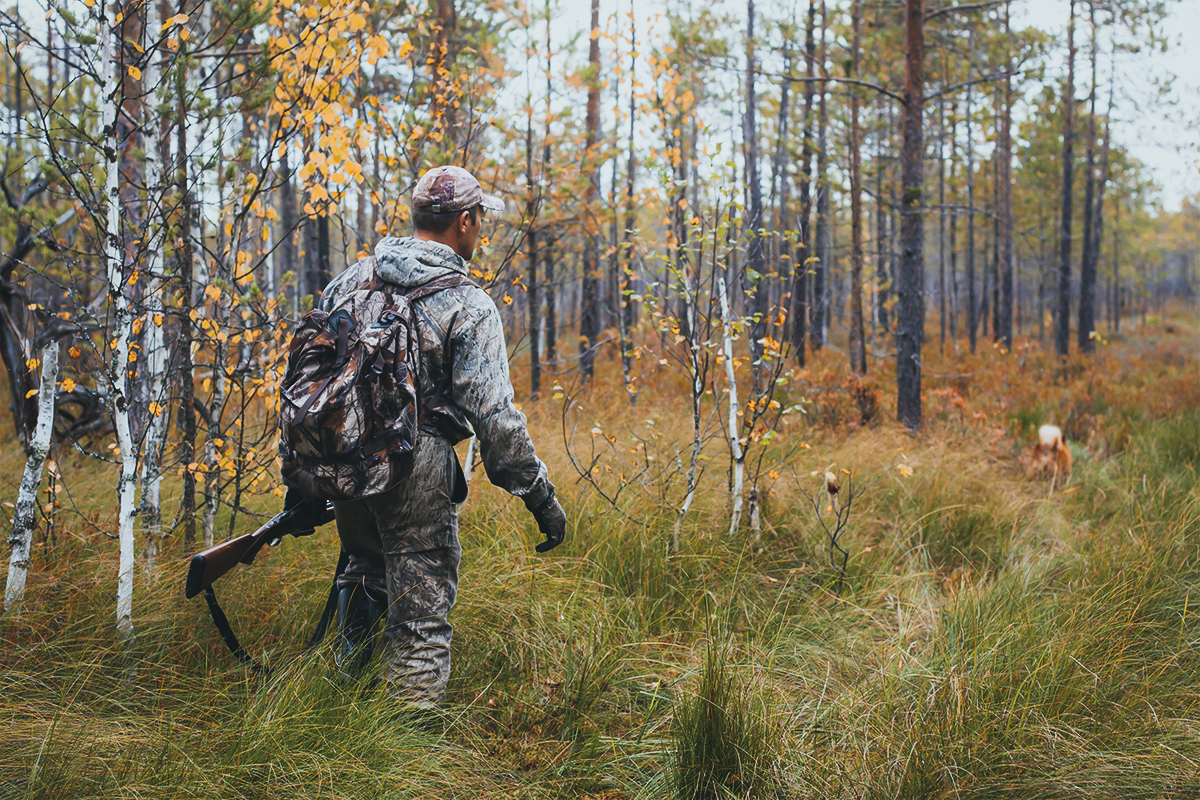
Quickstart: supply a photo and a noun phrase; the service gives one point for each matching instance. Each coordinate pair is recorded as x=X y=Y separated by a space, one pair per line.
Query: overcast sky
x=1163 y=134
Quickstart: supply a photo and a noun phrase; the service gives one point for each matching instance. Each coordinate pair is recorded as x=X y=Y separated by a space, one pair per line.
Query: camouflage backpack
x=350 y=405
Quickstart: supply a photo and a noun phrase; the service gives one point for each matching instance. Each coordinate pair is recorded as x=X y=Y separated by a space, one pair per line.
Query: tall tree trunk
x=324 y=263
x=995 y=302
x=737 y=454
x=1087 y=267
x=882 y=244
x=912 y=233
x=972 y=301
x=755 y=283
x=441 y=66
x=589 y=321
x=184 y=259
x=941 y=225
x=955 y=305
x=288 y=223
x=551 y=321
x=1062 y=321
x=780 y=183
x=799 y=302
x=625 y=301
x=551 y=303
x=531 y=251
x=1004 y=177
x=858 y=350
x=154 y=342
x=118 y=372
x=821 y=267
x=1116 y=270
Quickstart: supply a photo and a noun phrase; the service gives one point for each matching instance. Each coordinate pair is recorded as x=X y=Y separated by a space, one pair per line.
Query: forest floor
x=995 y=636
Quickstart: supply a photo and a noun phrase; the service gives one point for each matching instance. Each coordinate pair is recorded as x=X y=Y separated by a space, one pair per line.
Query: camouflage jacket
x=464 y=362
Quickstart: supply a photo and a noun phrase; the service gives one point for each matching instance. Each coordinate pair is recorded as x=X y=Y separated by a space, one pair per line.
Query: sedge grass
x=993 y=639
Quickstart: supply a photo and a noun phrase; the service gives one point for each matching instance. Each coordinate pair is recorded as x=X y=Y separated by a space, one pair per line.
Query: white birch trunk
x=21 y=540
x=735 y=445
x=697 y=396
x=122 y=325
x=156 y=429
x=155 y=350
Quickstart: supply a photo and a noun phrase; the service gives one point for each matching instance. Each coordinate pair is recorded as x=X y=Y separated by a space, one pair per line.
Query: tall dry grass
x=992 y=639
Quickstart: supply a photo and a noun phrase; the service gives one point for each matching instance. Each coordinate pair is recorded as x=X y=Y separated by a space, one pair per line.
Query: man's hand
x=552 y=522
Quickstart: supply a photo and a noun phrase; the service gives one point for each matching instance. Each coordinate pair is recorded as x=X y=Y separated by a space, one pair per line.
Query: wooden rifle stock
x=208 y=566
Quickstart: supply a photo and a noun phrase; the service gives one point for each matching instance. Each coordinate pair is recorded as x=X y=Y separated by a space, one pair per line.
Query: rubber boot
x=358 y=613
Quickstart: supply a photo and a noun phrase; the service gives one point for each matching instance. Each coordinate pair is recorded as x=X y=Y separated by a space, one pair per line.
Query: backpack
x=350 y=404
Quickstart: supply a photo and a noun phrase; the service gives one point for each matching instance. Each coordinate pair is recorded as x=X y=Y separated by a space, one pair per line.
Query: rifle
x=208 y=566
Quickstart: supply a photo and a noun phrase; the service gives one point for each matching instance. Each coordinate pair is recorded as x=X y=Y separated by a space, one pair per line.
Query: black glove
x=552 y=522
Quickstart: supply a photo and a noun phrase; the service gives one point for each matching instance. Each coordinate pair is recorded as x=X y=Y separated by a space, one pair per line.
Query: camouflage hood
x=411 y=262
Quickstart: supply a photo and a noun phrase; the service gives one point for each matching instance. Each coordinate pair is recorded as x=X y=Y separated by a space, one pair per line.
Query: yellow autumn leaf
x=135 y=73
x=68 y=385
x=30 y=393
x=178 y=19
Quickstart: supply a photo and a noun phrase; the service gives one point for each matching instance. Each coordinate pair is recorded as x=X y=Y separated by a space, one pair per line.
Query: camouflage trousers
x=403 y=545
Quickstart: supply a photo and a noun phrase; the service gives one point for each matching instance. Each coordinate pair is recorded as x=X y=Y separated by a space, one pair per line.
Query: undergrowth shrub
x=724 y=742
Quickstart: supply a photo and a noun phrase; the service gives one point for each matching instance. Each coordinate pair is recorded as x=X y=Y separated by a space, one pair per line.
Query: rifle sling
x=230 y=638
x=330 y=603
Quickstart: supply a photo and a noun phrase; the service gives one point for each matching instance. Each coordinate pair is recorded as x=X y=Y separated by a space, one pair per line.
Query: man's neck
x=436 y=238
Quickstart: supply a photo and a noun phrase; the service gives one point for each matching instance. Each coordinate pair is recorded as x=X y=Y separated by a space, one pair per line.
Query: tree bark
x=20 y=541
x=755 y=282
x=154 y=340
x=799 y=302
x=531 y=252
x=184 y=259
x=589 y=320
x=882 y=245
x=1062 y=321
x=1087 y=267
x=941 y=226
x=858 y=350
x=737 y=455
x=1004 y=178
x=1116 y=271
x=912 y=233
x=972 y=300
x=111 y=83
x=955 y=305
x=625 y=302
x=820 y=279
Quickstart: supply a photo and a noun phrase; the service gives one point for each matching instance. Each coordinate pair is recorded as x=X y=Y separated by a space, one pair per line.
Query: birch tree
x=111 y=84
x=20 y=541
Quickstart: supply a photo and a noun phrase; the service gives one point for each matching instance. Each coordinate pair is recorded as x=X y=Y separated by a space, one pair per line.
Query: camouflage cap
x=443 y=189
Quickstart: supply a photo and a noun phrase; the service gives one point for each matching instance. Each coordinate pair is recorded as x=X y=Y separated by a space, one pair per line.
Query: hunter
x=402 y=545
